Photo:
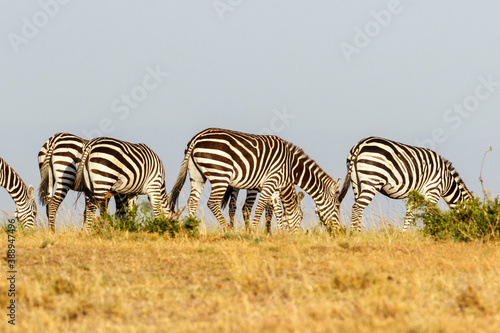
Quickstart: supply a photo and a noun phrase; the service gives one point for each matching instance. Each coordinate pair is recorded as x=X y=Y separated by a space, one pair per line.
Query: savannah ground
x=382 y=280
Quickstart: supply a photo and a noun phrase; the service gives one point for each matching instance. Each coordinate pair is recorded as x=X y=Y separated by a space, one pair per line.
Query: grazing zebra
x=273 y=207
x=264 y=162
x=23 y=196
x=395 y=169
x=58 y=162
x=110 y=167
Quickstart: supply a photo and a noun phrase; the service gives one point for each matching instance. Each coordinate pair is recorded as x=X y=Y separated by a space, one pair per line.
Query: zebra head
x=328 y=209
x=26 y=212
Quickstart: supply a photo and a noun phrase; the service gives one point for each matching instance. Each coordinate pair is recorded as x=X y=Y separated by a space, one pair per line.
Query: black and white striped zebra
x=395 y=169
x=274 y=207
x=264 y=162
x=23 y=196
x=58 y=161
x=110 y=167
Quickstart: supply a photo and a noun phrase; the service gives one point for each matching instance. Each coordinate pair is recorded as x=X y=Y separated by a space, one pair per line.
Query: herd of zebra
x=103 y=167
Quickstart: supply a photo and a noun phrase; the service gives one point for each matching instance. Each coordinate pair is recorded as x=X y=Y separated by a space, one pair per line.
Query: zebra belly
x=106 y=180
x=394 y=192
x=122 y=186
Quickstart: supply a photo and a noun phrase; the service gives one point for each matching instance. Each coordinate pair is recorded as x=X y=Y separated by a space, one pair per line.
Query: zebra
x=23 y=196
x=394 y=169
x=264 y=162
x=58 y=162
x=273 y=207
x=110 y=166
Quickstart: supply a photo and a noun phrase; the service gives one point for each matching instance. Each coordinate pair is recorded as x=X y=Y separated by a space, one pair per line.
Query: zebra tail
x=47 y=178
x=345 y=187
x=174 y=194
x=351 y=160
x=79 y=184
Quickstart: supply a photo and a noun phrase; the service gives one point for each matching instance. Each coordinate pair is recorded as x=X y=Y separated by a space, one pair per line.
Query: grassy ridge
x=136 y=282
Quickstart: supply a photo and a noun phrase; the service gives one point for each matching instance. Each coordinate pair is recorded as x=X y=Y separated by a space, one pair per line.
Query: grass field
x=377 y=281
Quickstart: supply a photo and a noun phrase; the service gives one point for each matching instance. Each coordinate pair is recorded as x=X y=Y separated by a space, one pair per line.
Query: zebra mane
x=456 y=175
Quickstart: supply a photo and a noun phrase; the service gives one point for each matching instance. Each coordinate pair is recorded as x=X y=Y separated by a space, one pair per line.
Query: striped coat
x=113 y=167
x=395 y=169
x=263 y=162
x=58 y=161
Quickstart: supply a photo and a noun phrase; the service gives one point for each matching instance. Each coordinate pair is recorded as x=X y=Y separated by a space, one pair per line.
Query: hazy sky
x=321 y=74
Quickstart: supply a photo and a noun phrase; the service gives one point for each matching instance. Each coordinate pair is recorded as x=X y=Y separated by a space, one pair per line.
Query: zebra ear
x=31 y=192
x=300 y=197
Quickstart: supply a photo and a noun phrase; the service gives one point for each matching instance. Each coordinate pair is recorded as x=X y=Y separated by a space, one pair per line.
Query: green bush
x=161 y=225
x=129 y=223
x=191 y=226
x=474 y=219
x=139 y=219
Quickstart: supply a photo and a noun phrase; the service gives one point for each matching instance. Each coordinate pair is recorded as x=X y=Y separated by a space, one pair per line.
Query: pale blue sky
x=340 y=70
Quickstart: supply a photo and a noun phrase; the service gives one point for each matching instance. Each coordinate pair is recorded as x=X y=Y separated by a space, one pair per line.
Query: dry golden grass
x=378 y=281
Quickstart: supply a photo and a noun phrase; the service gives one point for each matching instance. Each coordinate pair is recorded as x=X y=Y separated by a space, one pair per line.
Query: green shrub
x=191 y=226
x=474 y=219
x=129 y=222
x=140 y=219
x=162 y=225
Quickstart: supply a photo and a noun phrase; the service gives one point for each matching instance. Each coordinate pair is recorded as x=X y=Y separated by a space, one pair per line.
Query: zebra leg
x=197 y=180
x=247 y=207
x=410 y=210
x=123 y=203
x=362 y=199
x=291 y=204
x=154 y=195
x=194 y=196
x=278 y=211
x=269 y=215
x=121 y=206
x=104 y=211
x=265 y=195
x=53 y=205
x=89 y=214
x=408 y=217
x=232 y=206
x=214 y=202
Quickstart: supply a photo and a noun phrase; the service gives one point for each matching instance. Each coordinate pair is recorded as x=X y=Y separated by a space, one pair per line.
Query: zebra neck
x=452 y=191
x=17 y=190
x=310 y=177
